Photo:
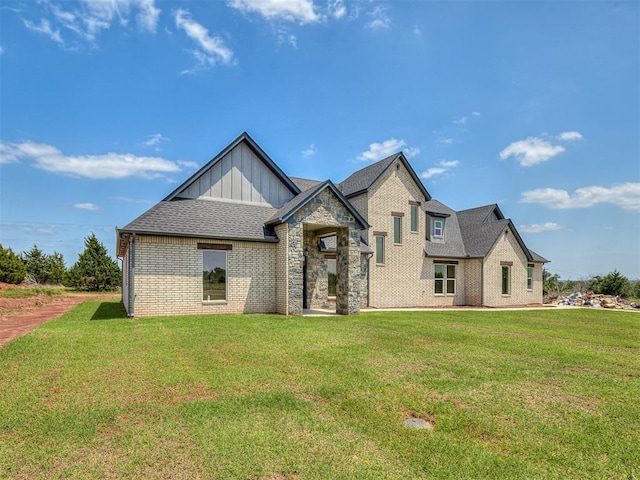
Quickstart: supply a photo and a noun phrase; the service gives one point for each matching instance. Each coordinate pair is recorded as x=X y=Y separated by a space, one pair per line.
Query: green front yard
x=510 y=394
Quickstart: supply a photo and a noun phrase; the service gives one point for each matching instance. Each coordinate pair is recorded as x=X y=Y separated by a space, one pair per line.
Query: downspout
x=369 y=257
x=132 y=266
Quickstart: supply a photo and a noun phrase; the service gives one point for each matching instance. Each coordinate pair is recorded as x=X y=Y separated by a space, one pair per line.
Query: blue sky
x=105 y=106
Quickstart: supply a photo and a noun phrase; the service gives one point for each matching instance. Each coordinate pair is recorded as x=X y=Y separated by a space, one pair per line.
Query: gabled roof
x=296 y=203
x=454 y=246
x=472 y=233
x=362 y=180
x=206 y=219
x=261 y=154
x=536 y=258
x=482 y=226
x=305 y=183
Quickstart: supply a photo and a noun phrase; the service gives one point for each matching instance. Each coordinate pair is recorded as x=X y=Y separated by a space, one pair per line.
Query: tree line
x=613 y=283
x=94 y=270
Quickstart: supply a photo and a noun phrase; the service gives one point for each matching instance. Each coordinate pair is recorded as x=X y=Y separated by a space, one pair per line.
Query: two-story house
x=240 y=235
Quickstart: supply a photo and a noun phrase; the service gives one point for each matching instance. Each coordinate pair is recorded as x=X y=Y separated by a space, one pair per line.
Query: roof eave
x=266 y=239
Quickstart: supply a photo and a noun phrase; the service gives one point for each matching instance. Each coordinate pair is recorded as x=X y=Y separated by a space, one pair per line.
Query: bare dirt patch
x=21 y=315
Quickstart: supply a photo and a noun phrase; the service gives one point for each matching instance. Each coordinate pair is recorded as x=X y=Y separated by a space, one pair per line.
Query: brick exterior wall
x=534 y=296
x=473 y=281
x=168 y=277
x=402 y=281
x=506 y=249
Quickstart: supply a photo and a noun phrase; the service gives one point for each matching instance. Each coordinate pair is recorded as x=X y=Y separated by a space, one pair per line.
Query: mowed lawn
x=510 y=394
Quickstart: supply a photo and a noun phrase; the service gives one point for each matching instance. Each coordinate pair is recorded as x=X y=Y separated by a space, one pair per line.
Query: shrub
x=614 y=283
x=12 y=268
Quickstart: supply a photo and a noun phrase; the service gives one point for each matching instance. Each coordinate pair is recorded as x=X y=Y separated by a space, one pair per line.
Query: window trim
x=224 y=250
x=414 y=219
x=505 y=281
x=397 y=222
x=380 y=236
x=433 y=228
x=445 y=279
x=530 y=268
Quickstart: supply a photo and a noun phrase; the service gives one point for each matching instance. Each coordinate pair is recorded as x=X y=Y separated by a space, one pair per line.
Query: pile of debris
x=595 y=300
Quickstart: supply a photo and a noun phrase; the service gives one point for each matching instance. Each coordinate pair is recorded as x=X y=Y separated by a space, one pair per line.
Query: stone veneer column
x=295 y=260
x=348 y=272
x=317 y=275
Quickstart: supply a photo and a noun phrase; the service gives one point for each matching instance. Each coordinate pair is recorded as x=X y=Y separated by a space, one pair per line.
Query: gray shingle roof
x=454 y=244
x=361 y=180
x=537 y=257
x=305 y=183
x=205 y=218
x=297 y=202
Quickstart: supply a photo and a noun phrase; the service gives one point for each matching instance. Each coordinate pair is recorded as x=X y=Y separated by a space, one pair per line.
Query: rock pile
x=594 y=300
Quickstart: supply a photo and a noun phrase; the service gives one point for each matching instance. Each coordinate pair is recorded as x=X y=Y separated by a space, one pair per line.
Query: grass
x=12 y=292
x=511 y=394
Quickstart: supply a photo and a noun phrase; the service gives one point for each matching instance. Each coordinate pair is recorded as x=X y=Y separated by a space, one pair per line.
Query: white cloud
x=337 y=9
x=1 y=49
x=212 y=48
x=154 y=141
x=442 y=167
x=448 y=163
x=416 y=31
x=300 y=11
x=310 y=152
x=570 y=136
x=86 y=206
x=45 y=28
x=475 y=114
x=284 y=36
x=446 y=141
x=378 y=151
x=531 y=151
x=626 y=195
x=461 y=121
x=380 y=18
x=540 y=227
x=109 y=165
x=88 y=18
x=433 y=171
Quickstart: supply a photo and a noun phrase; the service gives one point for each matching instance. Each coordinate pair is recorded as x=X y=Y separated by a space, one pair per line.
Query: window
x=214 y=275
x=506 y=279
x=380 y=249
x=445 y=278
x=332 y=278
x=451 y=279
x=438 y=228
x=397 y=229
x=529 y=277
x=414 y=218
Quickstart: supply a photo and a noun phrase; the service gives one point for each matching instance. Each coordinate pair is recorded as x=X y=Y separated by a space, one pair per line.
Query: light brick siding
x=401 y=281
x=168 y=277
x=506 y=249
x=432 y=299
x=535 y=296
x=473 y=281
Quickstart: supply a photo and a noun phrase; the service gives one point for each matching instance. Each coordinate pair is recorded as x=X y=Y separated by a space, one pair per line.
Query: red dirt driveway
x=21 y=317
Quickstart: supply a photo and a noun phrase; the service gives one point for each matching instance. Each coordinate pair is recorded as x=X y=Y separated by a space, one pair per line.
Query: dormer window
x=435 y=230
x=438 y=228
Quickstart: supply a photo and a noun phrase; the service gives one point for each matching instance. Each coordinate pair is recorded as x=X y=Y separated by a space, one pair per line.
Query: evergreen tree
x=35 y=261
x=94 y=270
x=55 y=269
x=12 y=269
x=613 y=283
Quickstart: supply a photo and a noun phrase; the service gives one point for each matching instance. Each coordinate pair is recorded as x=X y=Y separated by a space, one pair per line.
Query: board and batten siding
x=239 y=176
